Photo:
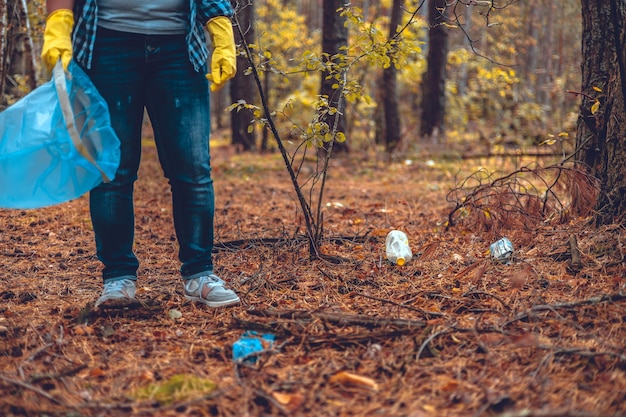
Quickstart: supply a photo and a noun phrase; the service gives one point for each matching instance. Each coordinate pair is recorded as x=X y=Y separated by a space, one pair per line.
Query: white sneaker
x=114 y=292
x=210 y=290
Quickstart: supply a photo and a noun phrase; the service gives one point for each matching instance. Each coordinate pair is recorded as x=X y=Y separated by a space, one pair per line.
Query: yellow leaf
x=598 y=89
x=595 y=107
x=548 y=142
x=250 y=128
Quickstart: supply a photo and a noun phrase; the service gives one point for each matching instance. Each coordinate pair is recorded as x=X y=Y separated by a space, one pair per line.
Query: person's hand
x=57 y=38
x=223 y=60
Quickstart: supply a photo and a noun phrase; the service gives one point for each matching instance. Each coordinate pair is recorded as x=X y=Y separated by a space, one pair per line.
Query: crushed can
x=502 y=250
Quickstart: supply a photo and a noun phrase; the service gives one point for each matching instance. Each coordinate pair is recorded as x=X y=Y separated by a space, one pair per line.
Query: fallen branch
x=31 y=388
x=274 y=241
x=575 y=351
x=575 y=262
x=66 y=372
x=342 y=319
x=327 y=338
x=408 y=307
x=563 y=306
x=495 y=297
x=549 y=413
x=427 y=343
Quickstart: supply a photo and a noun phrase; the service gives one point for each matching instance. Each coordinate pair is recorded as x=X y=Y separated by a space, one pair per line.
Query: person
x=152 y=56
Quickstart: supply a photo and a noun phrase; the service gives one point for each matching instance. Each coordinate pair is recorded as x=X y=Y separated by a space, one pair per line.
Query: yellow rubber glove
x=223 y=60
x=57 y=38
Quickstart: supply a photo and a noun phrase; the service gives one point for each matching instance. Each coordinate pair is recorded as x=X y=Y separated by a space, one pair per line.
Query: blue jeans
x=135 y=72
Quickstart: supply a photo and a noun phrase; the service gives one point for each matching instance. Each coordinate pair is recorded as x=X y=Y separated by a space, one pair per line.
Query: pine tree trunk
x=434 y=82
x=242 y=86
x=3 y=55
x=602 y=126
x=388 y=87
x=334 y=37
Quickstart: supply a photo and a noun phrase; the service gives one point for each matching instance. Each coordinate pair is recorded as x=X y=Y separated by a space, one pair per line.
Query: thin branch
x=31 y=388
x=604 y=298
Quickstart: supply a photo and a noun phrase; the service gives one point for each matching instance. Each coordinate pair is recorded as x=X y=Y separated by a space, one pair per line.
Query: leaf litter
x=452 y=333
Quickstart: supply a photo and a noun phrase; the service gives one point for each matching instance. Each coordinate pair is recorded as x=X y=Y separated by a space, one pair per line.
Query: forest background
x=312 y=171
x=508 y=70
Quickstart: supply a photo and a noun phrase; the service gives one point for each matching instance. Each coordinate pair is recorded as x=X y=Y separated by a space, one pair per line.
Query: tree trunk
x=4 y=30
x=602 y=119
x=463 y=76
x=388 y=85
x=17 y=50
x=242 y=86
x=334 y=37
x=434 y=82
x=545 y=81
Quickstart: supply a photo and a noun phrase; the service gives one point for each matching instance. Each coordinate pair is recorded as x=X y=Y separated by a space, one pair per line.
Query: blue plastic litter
x=249 y=343
x=56 y=143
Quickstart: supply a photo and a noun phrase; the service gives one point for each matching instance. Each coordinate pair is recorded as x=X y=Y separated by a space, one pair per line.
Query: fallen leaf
x=290 y=401
x=348 y=378
x=178 y=387
x=96 y=373
x=82 y=329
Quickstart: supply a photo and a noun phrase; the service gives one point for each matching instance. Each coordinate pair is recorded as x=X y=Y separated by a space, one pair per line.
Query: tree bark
x=242 y=86
x=16 y=49
x=3 y=50
x=388 y=85
x=434 y=82
x=602 y=127
x=334 y=37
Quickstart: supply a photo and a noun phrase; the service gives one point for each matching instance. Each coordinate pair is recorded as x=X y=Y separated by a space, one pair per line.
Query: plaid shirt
x=200 y=12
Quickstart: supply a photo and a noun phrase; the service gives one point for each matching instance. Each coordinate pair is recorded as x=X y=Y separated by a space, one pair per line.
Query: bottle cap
x=400 y=261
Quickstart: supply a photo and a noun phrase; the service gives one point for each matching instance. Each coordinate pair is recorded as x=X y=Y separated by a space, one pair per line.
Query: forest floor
x=452 y=333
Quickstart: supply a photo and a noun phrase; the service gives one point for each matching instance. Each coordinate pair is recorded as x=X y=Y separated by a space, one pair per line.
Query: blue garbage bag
x=56 y=143
x=251 y=342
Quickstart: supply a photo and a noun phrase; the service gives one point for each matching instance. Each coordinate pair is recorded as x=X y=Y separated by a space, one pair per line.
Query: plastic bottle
x=397 y=247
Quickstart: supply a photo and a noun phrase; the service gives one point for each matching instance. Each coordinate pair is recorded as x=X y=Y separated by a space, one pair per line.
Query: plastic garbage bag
x=56 y=143
x=251 y=342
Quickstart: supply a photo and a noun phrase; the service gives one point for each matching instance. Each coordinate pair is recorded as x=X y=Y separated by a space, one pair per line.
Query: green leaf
x=178 y=387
